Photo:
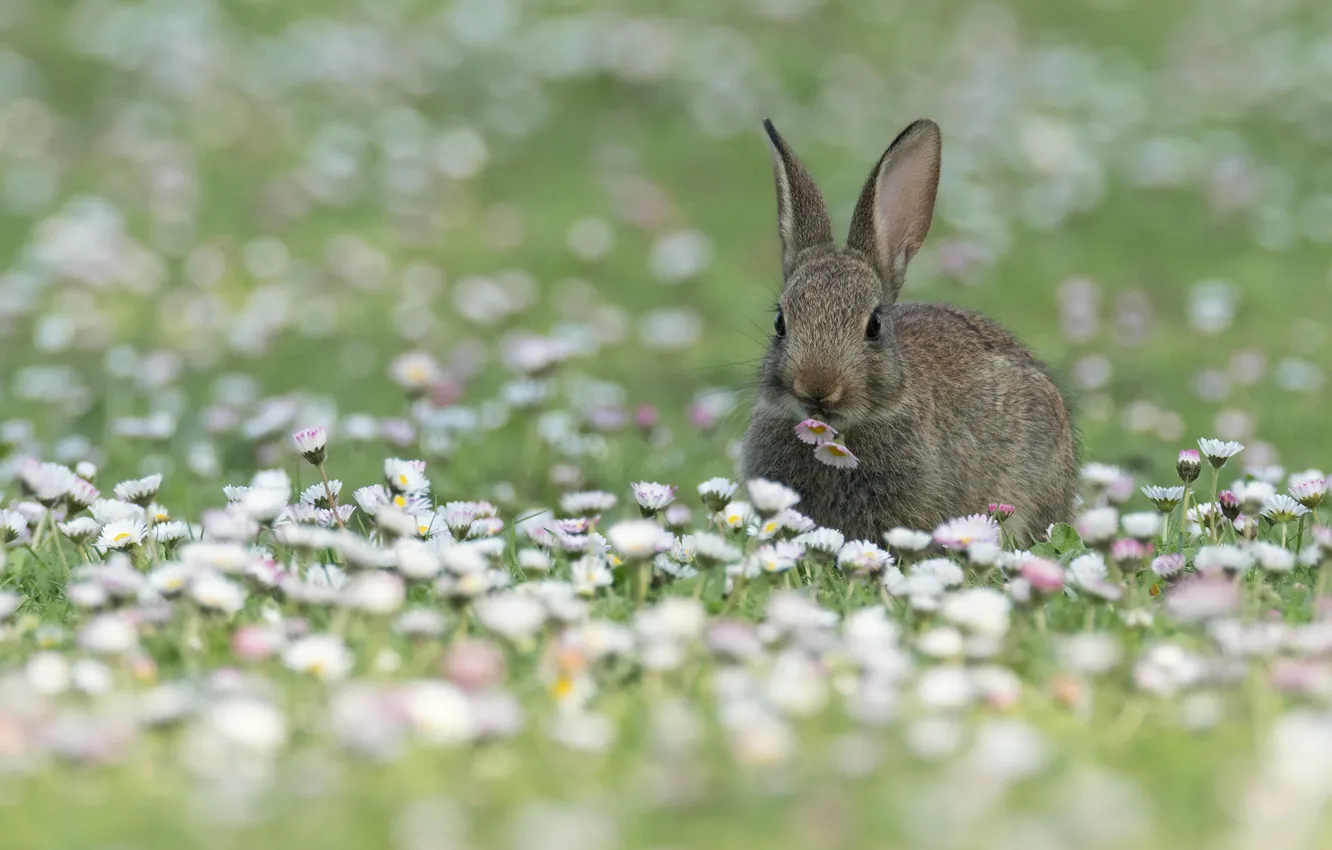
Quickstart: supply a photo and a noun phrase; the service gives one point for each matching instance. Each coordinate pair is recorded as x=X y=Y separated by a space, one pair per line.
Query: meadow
x=373 y=381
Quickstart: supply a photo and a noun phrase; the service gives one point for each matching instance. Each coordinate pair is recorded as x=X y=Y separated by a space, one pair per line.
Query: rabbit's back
x=995 y=417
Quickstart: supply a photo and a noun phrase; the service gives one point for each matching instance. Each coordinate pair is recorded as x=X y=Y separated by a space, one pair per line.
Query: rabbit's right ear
x=802 y=215
x=897 y=205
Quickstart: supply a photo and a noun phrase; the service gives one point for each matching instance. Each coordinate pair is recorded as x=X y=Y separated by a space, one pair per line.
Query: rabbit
x=946 y=411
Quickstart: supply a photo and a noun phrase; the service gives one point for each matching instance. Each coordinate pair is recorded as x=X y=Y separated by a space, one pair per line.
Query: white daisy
x=122 y=534
x=1218 y=451
x=770 y=497
x=140 y=491
x=323 y=656
x=586 y=503
x=716 y=492
x=1282 y=508
x=406 y=476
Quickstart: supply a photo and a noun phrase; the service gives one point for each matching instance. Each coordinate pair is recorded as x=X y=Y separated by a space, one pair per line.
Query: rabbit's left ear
x=896 y=206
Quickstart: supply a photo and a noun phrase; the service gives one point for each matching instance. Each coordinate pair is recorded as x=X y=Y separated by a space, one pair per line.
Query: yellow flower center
x=121 y=537
x=417 y=373
x=771 y=526
x=835 y=449
x=562 y=687
x=402 y=479
x=317 y=668
x=817 y=429
x=161 y=517
x=400 y=501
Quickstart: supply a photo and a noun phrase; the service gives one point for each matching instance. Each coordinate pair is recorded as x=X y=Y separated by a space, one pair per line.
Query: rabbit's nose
x=819 y=395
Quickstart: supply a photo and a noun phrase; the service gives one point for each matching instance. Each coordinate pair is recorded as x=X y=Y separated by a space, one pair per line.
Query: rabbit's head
x=833 y=356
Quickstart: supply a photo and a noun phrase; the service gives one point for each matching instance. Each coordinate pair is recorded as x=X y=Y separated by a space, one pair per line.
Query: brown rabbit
x=945 y=410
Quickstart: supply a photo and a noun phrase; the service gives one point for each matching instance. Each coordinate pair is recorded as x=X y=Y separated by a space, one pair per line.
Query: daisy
x=1218 y=451
x=317 y=494
x=170 y=532
x=485 y=527
x=588 y=574
x=716 y=492
x=945 y=570
x=737 y=514
x=715 y=548
x=836 y=455
x=1189 y=465
x=907 y=540
x=1309 y=492
x=1272 y=557
x=13 y=524
x=828 y=540
x=406 y=476
x=214 y=592
x=312 y=444
x=1141 y=525
x=770 y=497
x=82 y=493
x=861 y=555
x=1001 y=511
x=48 y=483
x=1282 y=508
x=1253 y=494
x=587 y=503
x=1230 y=504
x=777 y=557
x=814 y=432
x=80 y=530
x=1165 y=498
x=122 y=534
x=1097 y=525
x=637 y=539
x=1101 y=475
x=961 y=532
x=1223 y=558
x=1129 y=549
x=140 y=491
x=325 y=657
x=1043 y=575
x=414 y=371
x=86 y=470
x=653 y=497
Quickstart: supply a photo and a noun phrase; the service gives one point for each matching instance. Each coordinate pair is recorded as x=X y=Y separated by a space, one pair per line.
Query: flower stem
x=1183 y=516
x=332 y=500
x=644 y=578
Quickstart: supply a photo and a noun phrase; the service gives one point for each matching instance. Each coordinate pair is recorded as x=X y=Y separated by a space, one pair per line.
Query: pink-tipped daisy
x=836 y=455
x=814 y=432
x=961 y=532
x=312 y=443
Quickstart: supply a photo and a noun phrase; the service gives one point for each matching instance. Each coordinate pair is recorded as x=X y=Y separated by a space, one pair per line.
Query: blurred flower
x=962 y=532
x=325 y=657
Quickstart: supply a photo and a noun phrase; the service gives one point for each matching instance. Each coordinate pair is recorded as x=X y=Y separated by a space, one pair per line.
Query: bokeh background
x=223 y=220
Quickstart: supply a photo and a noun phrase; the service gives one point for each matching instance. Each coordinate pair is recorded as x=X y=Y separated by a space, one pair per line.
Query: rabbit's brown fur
x=946 y=411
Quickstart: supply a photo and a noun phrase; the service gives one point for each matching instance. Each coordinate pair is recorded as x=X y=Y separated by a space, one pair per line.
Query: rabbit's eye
x=780 y=324
x=875 y=325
